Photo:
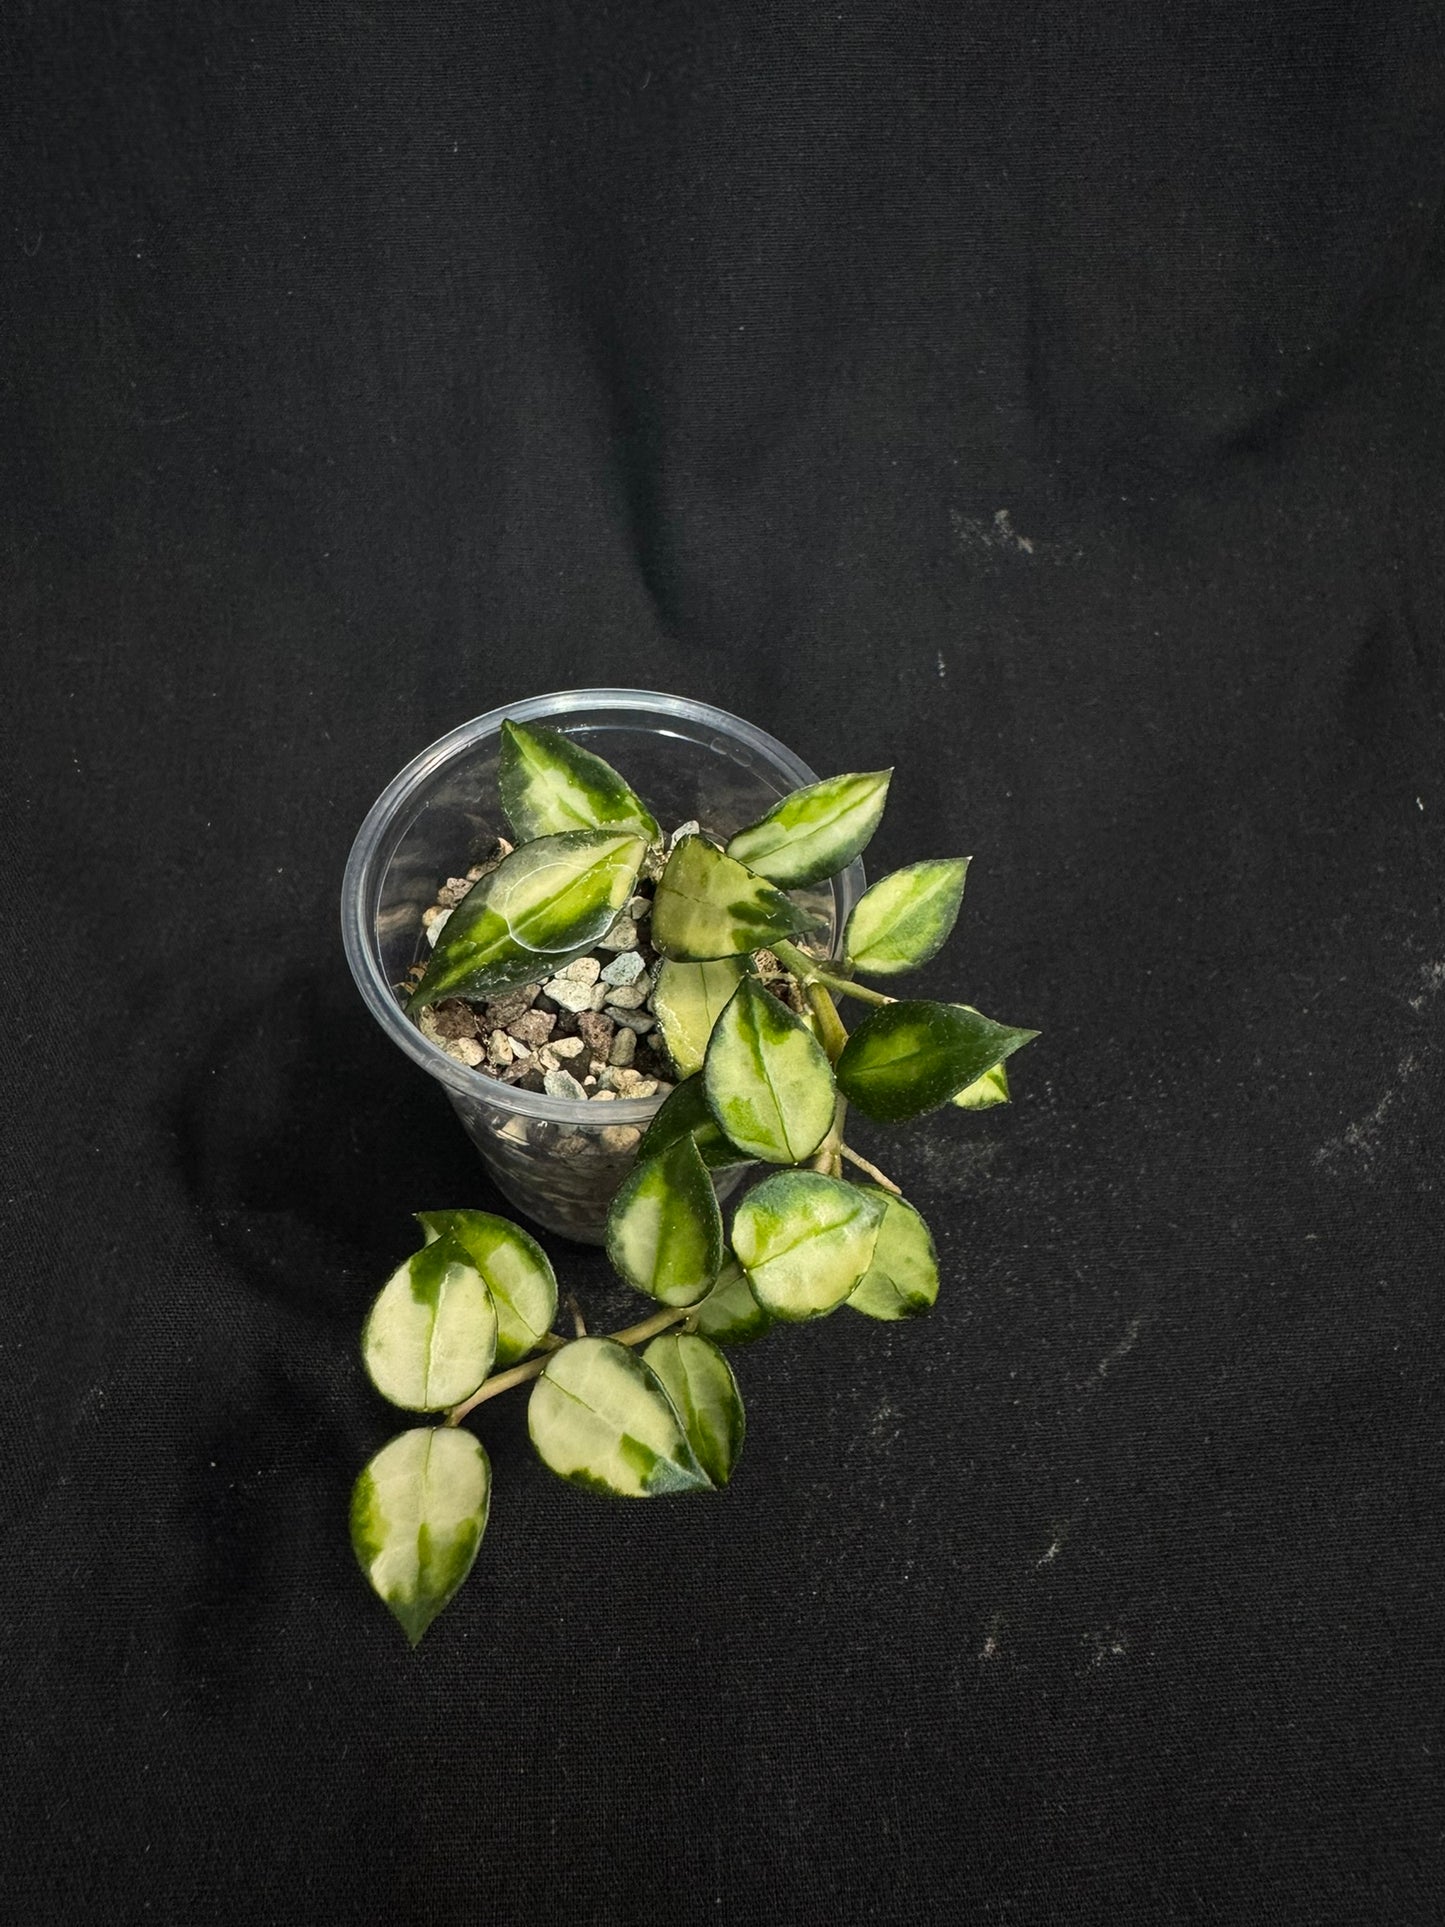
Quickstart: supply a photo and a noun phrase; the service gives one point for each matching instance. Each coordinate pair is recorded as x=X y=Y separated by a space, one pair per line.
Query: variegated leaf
x=814 y=832
x=984 y=1092
x=908 y=1058
x=664 y=1230
x=708 y=905
x=418 y=1513
x=689 y=999
x=550 y=784
x=767 y=1078
x=599 y=1418
x=685 y=1113
x=905 y=918
x=699 y=1381
x=730 y=1314
x=902 y=1280
x=516 y=1270
x=805 y=1241
x=545 y=904
x=431 y=1335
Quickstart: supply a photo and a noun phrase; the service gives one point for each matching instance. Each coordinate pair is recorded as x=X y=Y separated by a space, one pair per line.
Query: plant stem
x=831 y=1034
x=534 y=1367
x=852 y=1156
x=810 y=972
x=845 y=987
x=828 y=1157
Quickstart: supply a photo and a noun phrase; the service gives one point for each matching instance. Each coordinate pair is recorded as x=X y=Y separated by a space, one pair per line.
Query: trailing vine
x=654 y=1408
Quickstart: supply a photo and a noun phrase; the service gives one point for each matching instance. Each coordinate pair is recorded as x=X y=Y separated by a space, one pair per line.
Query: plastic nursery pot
x=549 y=1155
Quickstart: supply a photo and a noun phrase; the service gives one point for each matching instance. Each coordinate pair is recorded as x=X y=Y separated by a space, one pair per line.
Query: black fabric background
x=1046 y=399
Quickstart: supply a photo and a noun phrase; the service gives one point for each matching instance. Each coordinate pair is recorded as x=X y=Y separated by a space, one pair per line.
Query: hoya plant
x=767 y=1072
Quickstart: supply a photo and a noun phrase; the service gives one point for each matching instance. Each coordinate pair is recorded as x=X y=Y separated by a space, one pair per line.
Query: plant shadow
x=306 y=1140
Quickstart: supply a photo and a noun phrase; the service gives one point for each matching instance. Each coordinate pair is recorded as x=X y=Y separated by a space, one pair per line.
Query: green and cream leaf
x=814 y=832
x=685 y=1113
x=805 y=1241
x=905 y=918
x=517 y=1272
x=902 y=1280
x=599 y=1418
x=984 y=1092
x=550 y=785
x=768 y=1081
x=545 y=904
x=664 y=1231
x=708 y=905
x=418 y=1512
x=910 y=1057
x=431 y=1335
x=704 y=1393
x=730 y=1314
x=689 y=999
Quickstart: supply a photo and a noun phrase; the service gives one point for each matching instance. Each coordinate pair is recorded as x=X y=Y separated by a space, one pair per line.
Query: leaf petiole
x=877 y=1176
x=809 y=972
x=534 y=1367
x=831 y=1034
x=827 y=1158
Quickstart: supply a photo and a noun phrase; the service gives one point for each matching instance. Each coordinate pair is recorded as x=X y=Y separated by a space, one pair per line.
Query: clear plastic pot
x=548 y=1155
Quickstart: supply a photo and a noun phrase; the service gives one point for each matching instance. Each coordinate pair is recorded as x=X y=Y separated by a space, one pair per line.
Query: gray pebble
x=585 y=970
x=642 y=1020
x=622 y=936
x=570 y=993
x=633 y=1084
x=563 y=1084
x=627 y=996
x=625 y=968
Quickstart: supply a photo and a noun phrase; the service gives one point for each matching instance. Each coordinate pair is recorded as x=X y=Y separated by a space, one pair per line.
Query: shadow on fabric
x=305 y=1143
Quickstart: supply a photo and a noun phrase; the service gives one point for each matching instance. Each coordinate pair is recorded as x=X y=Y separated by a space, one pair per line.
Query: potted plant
x=682 y=982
